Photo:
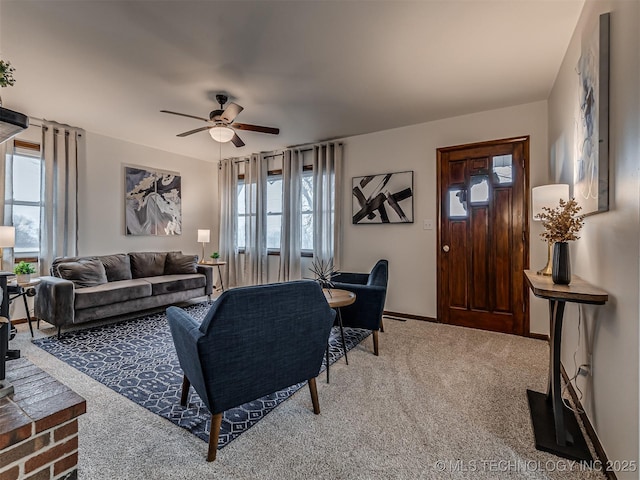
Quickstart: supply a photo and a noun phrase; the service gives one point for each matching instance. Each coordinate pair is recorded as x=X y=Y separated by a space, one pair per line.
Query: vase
x=561 y=270
x=23 y=277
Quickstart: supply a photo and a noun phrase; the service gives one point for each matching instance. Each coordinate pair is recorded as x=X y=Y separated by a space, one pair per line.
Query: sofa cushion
x=112 y=292
x=117 y=266
x=175 y=283
x=147 y=264
x=177 y=264
x=87 y=272
x=53 y=270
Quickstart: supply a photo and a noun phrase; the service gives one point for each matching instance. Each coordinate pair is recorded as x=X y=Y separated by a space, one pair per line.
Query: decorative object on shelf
x=591 y=169
x=323 y=273
x=547 y=196
x=204 y=236
x=153 y=202
x=562 y=224
x=11 y=123
x=24 y=270
x=386 y=198
x=215 y=255
x=6 y=74
x=7 y=240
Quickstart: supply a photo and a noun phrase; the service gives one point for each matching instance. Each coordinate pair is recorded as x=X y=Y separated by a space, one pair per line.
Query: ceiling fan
x=221 y=126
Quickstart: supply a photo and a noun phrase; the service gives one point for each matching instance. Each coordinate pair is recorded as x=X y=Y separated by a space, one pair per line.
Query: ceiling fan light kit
x=221 y=134
x=222 y=129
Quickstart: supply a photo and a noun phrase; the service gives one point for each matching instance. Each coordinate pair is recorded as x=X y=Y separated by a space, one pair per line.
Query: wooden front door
x=483 y=235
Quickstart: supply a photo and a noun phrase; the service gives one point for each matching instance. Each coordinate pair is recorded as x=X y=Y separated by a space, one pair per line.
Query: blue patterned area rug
x=137 y=359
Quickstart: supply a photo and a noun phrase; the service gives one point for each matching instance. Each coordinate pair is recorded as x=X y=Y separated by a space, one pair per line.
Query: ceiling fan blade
x=236 y=141
x=231 y=112
x=191 y=132
x=185 y=115
x=256 y=128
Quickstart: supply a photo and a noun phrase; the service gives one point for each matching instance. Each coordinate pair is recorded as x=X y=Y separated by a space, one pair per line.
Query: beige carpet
x=440 y=402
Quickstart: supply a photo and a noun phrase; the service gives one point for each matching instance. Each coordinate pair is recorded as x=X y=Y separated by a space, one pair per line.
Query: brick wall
x=50 y=454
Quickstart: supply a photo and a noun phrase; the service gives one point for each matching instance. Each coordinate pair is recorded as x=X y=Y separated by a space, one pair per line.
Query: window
x=23 y=196
x=274 y=212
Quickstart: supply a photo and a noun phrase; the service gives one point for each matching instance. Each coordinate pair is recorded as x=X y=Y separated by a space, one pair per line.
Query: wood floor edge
x=408 y=316
x=597 y=446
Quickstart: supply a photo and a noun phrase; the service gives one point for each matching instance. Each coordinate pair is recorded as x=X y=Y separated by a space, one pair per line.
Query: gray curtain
x=62 y=147
x=255 y=180
x=291 y=232
x=228 y=172
x=6 y=193
x=327 y=204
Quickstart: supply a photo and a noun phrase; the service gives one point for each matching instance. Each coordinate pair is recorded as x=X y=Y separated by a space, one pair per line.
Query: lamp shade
x=7 y=236
x=547 y=196
x=203 y=235
x=221 y=134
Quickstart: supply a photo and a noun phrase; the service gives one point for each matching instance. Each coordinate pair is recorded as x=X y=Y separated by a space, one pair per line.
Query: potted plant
x=24 y=270
x=215 y=255
x=561 y=225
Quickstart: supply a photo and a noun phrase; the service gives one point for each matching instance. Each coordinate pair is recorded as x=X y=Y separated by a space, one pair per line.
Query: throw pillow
x=177 y=264
x=147 y=264
x=118 y=266
x=84 y=272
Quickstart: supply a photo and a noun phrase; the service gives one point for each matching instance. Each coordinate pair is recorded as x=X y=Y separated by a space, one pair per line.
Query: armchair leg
x=375 y=343
x=381 y=325
x=314 y=395
x=214 y=433
x=184 y=396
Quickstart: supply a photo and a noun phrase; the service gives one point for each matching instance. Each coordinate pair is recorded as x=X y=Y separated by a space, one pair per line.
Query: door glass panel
x=457 y=203
x=503 y=169
x=479 y=191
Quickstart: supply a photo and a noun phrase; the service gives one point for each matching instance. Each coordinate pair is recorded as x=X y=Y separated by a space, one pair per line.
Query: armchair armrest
x=54 y=301
x=347 y=277
x=207 y=271
x=185 y=331
x=367 y=310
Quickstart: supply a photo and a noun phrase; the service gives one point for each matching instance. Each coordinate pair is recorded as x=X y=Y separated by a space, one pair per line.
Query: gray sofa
x=83 y=289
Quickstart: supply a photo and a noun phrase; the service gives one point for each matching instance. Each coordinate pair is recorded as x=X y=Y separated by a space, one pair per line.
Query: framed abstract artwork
x=384 y=198
x=591 y=168
x=153 y=202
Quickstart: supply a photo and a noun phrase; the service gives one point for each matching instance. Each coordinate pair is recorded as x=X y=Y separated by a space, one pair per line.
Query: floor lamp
x=203 y=237
x=547 y=196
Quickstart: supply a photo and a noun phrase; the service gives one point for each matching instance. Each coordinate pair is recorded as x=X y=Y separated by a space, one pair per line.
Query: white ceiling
x=316 y=70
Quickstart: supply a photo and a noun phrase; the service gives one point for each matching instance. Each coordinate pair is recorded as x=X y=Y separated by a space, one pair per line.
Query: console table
x=555 y=427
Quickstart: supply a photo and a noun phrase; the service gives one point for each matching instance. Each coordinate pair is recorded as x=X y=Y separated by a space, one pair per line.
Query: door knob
x=445 y=248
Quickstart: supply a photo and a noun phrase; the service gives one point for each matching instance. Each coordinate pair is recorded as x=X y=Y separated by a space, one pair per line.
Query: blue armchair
x=371 y=291
x=253 y=341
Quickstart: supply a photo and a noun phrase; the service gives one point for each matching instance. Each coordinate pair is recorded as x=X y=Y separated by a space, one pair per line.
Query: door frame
x=525 y=139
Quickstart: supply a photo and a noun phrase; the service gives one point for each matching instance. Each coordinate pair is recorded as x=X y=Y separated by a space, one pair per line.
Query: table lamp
x=7 y=239
x=547 y=196
x=203 y=237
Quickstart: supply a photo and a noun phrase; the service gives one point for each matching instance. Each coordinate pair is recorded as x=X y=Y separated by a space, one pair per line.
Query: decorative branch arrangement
x=6 y=74
x=323 y=273
x=562 y=223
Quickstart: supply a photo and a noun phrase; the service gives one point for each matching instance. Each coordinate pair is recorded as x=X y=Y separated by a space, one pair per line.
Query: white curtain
x=62 y=147
x=327 y=205
x=6 y=195
x=291 y=231
x=228 y=172
x=255 y=182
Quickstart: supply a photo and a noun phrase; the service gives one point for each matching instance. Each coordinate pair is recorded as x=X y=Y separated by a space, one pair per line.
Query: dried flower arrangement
x=562 y=223
x=323 y=273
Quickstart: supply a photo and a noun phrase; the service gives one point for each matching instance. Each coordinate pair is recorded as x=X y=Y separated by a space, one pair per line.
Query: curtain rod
x=274 y=155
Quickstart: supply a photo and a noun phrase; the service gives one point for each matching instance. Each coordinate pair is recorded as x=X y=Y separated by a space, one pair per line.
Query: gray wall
x=607 y=254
